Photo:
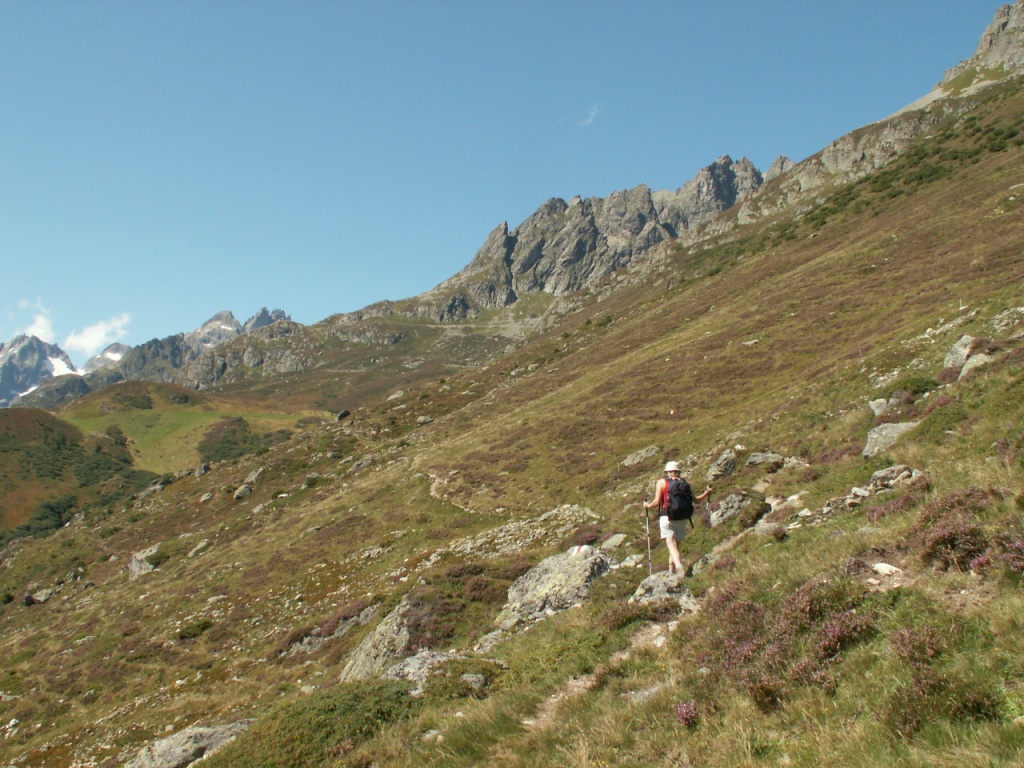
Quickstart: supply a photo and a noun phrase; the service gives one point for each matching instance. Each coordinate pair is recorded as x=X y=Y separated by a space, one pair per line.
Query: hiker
x=674 y=499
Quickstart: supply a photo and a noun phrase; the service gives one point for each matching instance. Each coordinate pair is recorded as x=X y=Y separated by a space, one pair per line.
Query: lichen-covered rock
x=559 y=582
x=664 y=586
x=885 y=436
x=187 y=746
x=724 y=465
x=382 y=647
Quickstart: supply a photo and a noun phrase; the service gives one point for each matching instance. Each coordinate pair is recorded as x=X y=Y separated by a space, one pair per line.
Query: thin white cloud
x=595 y=111
x=42 y=325
x=97 y=337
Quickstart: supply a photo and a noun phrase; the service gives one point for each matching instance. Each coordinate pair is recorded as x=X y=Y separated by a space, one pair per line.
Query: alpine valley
x=413 y=535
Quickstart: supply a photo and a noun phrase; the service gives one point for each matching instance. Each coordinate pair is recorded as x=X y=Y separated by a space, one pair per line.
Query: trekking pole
x=707 y=523
x=647 y=524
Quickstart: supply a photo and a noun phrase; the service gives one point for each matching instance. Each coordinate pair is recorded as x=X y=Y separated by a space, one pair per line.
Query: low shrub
x=930 y=696
x=320 y=729
x=947 y=534
x=687 y=714
x=840 y=632
x=195 y=629
x=621 y=613
x=941 y=421
x=917 y=646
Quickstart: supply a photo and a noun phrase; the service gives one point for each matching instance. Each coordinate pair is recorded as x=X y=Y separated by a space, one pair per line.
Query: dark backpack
x=678 y=500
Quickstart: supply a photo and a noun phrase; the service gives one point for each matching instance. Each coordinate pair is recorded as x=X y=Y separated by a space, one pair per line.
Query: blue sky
x=163 y=161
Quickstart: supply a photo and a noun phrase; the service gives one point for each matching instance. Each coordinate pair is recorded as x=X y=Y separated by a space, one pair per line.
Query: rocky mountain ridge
x=26 y=380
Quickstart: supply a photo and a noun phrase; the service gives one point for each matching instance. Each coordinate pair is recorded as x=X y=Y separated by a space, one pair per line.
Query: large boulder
x=665 y=586
x=735 y=503
x=959 y=353
x=559 y=582
x=885 y=436
x=187 y=746
x=139 y=563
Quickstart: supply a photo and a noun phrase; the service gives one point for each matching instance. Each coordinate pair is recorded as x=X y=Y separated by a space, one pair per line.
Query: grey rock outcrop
x=555 y=584
x=974 y=362
x=186 y=747
x=570 y=246
x=282 y=347
x=139 y=564
x=264 y=318
x=766 y=460
x=220 y=328
x=724 y=465
x=382 y=647
x=642 y=455
x=882 y=481
x=735 y=503
x=1001 y=45
x=666 y=586
x=885 y=436
x=163 y=360
x=714 y=189
x=959 y=352
x=426 y=664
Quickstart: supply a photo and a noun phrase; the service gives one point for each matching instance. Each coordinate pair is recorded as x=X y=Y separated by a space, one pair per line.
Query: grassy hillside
x=445 y=490
x=167 y=427
x=49 y=470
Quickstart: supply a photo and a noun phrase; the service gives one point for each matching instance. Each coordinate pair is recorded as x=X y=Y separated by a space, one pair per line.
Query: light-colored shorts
x=676 y=528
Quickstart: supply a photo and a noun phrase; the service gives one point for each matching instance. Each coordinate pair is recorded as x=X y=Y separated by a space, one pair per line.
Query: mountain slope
x=841 y=618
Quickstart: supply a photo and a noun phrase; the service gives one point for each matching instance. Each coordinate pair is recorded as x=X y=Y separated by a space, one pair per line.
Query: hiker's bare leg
x=675 y=564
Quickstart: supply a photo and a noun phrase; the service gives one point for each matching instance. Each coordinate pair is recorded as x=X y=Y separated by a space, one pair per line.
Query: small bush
x=910 y=387
x=1010 y=548
x=621 y=614
x=917 y=646
x=953 y=543
x=724 y=563
x=930 y=696
x=840 y=632
x=941 y=421
x=687 y=714
x=891 y=507
x=766 y=691
x=947 y=533
x=194 y=630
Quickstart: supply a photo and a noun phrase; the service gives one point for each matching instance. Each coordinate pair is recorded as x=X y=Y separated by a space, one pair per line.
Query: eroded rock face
x=382 y=647
x=1001 y=44
x=568 y=246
